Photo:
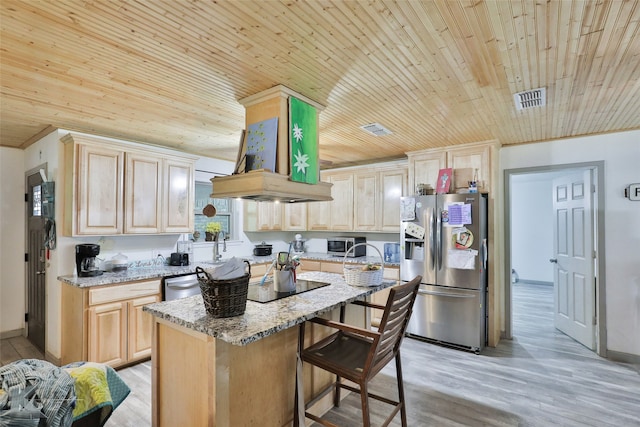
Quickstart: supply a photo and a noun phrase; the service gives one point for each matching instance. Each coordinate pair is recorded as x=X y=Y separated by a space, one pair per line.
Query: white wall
x=12 y=242
x=621 y=154
x=532 y=227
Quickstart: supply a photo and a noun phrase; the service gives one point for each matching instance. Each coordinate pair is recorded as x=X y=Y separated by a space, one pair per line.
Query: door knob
x=553 y=260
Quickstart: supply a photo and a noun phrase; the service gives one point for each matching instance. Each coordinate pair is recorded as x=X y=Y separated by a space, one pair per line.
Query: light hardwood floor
x=540 y=378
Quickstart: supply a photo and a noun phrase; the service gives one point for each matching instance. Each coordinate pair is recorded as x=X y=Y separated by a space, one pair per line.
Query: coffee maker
x=86 y=264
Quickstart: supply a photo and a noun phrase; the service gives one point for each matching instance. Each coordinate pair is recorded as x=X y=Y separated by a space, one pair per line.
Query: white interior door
x=573 y=245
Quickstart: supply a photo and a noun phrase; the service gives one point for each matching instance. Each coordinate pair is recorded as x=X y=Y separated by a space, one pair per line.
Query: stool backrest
x=393 y=324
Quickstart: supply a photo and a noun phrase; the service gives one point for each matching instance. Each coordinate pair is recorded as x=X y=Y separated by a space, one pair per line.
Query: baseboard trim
x=11 y=334
x=618 y=356
x=51 y=358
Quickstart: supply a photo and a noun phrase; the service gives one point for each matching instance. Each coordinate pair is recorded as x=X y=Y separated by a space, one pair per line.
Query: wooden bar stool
x=358 y=354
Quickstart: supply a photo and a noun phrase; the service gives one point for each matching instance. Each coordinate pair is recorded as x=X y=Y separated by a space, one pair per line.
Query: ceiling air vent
x=530 y=98
x=376 y=129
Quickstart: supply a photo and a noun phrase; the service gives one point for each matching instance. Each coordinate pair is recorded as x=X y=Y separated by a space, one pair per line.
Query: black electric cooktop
x=265 y=293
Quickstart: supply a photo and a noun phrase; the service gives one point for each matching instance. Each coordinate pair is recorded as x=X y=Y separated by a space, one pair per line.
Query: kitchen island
x=240 y=371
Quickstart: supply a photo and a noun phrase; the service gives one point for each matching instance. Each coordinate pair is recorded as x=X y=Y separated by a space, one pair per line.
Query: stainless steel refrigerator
x=444 y=239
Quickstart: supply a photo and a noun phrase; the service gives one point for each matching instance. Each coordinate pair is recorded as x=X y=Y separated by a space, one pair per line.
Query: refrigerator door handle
x=485 y=253
x=432 y=239
x=439 y=237
x=445 y=294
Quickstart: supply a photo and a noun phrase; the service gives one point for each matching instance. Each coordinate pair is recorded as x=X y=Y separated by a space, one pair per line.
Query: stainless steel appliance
x=86 y=261
x=338 y=246
x=444 y=239
x=176 y=287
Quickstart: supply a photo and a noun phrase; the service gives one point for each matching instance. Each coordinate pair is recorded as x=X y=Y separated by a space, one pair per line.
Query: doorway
x=35 y=259
x=513 y=179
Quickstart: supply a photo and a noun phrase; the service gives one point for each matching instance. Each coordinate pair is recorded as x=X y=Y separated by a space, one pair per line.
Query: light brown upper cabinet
x=272 y=216
x=125 y=188
x=295 y=216
x=393 y=185
x=143 y=193
x=365 y=198
x=262 y=216
x=467 y=160
x=96 y=191
x=178 y=195
x=336 y=215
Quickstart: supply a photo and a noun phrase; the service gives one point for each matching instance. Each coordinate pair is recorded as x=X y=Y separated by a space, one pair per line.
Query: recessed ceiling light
x=376 y=129
x=530 y=98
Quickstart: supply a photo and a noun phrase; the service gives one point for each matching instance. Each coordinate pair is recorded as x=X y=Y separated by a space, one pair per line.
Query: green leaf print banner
x=303 y=134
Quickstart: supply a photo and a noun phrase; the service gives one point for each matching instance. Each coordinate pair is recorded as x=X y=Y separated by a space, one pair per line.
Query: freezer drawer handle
x=444 y=294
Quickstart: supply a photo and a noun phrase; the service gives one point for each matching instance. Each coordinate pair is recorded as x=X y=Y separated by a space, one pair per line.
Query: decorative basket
x=354 y=275
x=224 y=298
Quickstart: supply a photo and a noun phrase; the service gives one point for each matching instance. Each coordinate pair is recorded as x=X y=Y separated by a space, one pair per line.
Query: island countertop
x=263 y=319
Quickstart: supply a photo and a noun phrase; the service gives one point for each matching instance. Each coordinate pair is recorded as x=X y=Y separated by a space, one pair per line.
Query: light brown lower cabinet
x=106 y=324
x=380 y=298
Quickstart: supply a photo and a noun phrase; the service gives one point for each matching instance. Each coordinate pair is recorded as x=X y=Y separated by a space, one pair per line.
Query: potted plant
x=211 y=231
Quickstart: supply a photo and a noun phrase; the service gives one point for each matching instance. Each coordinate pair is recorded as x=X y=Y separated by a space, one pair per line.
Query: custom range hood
x=268 y=186
x=265 y=184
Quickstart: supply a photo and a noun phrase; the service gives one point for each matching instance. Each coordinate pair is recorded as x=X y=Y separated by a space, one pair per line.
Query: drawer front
x=391 y=273
x=332 y=267
x=105 y=294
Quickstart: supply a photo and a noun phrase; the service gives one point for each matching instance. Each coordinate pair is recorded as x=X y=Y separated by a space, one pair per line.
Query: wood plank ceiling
x=436 y=73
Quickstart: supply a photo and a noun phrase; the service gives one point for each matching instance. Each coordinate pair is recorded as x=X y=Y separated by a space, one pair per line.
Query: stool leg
x=403 y=408
x=336 y=395
x=364 y=397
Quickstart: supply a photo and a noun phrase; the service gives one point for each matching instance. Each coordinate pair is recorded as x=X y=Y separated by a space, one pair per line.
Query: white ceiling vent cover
x=530 y=99
x=376 y=129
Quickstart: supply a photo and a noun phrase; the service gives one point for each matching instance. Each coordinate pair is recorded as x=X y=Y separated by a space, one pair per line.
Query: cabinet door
x=424 y=168
x=269 y=216
x=179 y=192
x=99 y=191
x=318 y=216
x=332 y=267
x=262 y=216
x=341 y=210
x=143 y=193
x=473 y=160
x=318 y=213
x=140 y=328
x=108 y=333
x=295 y=217
x=393 y=186
x=366 y=202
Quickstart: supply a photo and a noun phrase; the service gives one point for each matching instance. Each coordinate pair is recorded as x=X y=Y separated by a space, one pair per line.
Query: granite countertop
x=263 y=319
x=162 y=270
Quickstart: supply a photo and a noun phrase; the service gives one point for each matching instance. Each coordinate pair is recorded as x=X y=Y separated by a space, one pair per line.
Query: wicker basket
x=356 y=276
x=224 y=298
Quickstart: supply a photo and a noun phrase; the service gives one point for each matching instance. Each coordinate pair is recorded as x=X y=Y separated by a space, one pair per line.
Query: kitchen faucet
x=216 y=248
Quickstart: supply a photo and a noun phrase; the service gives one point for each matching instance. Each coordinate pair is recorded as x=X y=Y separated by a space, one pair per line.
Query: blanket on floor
x=98 y=387
x=37 y=393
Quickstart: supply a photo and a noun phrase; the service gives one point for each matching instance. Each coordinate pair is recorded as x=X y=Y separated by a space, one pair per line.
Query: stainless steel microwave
x=338 y=246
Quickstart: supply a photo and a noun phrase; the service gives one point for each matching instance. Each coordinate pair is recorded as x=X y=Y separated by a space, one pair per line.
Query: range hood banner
x=303 y=138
